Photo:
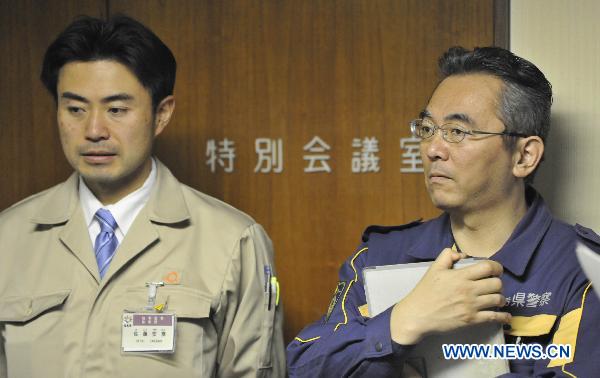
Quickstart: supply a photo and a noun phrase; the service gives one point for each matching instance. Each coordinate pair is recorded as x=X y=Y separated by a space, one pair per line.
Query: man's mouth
x=438 y=176
x=98 y=153
x=98 y=156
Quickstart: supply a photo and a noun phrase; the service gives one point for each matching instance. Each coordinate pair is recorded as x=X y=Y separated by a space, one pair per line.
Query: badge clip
x=152 y=289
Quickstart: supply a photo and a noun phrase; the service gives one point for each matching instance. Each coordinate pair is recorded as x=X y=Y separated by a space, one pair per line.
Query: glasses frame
x=444 y=128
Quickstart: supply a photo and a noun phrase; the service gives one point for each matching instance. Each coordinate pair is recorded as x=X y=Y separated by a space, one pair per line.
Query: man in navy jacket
x=482 y=138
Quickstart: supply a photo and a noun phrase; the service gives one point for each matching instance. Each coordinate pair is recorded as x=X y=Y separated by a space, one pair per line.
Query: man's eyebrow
x=459 y=117
x=462 y=117
x=117 y=97
x=73 y=96
x=424 y=114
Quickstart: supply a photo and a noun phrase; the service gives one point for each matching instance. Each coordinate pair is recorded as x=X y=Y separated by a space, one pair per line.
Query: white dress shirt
x=124 y=211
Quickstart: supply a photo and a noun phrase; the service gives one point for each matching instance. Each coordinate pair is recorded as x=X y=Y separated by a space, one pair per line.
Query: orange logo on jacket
x=171 y=277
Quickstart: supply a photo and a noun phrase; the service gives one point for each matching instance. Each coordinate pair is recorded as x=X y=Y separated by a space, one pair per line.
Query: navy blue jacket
x=541 y=277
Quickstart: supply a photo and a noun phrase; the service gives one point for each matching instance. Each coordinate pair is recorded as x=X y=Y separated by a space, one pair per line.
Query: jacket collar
x=433 y=237
x=514 y=255
x=60 y=203
x=166 y=203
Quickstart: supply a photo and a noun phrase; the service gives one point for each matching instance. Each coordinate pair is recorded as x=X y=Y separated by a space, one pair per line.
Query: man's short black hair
x=526 y=98
x=121 y=39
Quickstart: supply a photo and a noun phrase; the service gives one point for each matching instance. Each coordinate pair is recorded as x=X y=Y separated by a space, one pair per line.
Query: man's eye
x=117 y=111
x=426 y=130
x=457 y=132
x=75 y=110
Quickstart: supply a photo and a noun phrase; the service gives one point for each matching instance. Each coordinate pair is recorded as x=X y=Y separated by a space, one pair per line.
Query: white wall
x=562 y=38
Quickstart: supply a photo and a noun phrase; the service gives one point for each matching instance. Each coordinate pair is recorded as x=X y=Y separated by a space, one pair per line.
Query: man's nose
x=436 y=147
x=96 y=127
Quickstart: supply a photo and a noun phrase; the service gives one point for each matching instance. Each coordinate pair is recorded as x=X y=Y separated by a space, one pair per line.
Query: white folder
x=386 y=285
x=590 y=263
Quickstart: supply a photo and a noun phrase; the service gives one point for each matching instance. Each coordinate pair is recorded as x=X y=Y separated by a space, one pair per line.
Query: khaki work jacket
x=58 y=319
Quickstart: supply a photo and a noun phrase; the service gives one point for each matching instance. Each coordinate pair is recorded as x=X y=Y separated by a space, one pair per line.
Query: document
x=386 y=285
x=590 y=263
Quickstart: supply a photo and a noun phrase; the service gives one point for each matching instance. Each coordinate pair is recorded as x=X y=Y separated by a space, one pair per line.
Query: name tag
x=148 y=332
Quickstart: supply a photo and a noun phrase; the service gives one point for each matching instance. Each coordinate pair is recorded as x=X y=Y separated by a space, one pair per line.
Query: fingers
x=482 y=269
x=487 y=286
x=446 y=259
x=491 y=316
x=490 y=301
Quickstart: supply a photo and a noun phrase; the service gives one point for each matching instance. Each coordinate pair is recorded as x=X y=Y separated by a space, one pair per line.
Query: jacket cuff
x=378 y=342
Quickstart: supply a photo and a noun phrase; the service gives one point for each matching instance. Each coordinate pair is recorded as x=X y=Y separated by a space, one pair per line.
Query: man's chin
x=97 y=174
x=443 y=202
x=103 y=180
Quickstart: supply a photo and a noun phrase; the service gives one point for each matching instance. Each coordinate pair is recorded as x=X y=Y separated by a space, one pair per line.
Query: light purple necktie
x=106 y=241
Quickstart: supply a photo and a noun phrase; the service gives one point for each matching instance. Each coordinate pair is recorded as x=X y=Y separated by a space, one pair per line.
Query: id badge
x=148 y=332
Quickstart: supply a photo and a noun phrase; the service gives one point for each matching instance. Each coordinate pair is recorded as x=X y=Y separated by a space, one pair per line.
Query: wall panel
x=561 y=38
x=31 y=158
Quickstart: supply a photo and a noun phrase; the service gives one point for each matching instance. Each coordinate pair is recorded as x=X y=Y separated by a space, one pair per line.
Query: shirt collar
x=125 y=210
x=514 y=255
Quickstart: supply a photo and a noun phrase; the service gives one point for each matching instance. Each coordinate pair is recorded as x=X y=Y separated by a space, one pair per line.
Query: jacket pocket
x=270 y=311
x=195 y=338
x=25 y=308
x=185 y=302
x=34 y=332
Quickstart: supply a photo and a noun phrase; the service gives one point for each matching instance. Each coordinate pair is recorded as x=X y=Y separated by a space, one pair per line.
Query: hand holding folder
x=446 y=299
x=385 y=286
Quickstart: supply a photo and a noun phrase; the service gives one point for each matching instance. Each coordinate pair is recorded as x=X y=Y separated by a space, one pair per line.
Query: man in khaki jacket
x=121 y=270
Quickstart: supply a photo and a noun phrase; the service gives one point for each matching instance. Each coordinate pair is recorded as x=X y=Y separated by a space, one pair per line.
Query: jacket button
x=378 y=347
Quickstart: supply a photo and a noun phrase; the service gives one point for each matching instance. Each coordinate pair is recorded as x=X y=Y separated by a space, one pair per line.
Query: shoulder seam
x=348 y=288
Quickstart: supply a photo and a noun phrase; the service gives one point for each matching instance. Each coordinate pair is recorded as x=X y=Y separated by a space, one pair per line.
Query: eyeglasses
x=452 y=133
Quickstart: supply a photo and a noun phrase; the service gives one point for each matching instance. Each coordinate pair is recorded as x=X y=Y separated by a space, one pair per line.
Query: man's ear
x=164 y=111
x=527 y=155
